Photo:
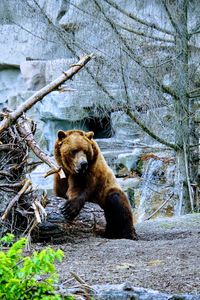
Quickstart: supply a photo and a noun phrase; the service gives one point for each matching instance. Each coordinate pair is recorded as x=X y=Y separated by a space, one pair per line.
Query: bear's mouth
x=81 y=168
x=80 y=171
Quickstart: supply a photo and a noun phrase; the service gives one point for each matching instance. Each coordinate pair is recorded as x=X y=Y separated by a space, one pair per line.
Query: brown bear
x=89 y=178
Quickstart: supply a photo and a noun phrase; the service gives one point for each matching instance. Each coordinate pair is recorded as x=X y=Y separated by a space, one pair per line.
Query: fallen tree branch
x=11 y=117
x=86 y=288
x=12 y=185
x=7 y=147
x=16 y=199
x=159 y=208
x=24 y=129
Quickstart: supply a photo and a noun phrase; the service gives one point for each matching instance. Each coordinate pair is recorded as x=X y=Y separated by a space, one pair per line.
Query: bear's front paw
x=71 y=209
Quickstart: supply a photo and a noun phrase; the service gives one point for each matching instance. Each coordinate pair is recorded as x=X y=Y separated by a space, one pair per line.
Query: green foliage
x=139 y=167
x=27 y=277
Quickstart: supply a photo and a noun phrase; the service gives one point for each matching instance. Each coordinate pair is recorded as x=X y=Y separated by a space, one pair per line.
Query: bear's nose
x=84 y=165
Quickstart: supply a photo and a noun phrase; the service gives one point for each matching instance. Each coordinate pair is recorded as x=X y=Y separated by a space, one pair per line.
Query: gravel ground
x=166 y=257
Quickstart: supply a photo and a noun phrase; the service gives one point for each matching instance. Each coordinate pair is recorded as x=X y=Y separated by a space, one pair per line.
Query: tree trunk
x=182 y=109
x=55 y=228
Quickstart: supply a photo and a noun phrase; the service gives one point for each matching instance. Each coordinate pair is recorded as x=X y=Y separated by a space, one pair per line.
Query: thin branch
x=195 y=30
x=137 y=19
x=194 y=96
x=33 y=34
x=171 y=18
x=37 y=214
x=149 y=132
x=140 y=33
x=24 y=129
x=16 y=199
x=12 y=185
x=39 y=95
x=7 y=147
x=136 y=120
x=134 y=56
x=169 y=60
x=159 y=208
x=195 y=93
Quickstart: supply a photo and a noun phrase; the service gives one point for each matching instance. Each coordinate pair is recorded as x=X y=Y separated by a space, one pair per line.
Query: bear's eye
x=73 y=152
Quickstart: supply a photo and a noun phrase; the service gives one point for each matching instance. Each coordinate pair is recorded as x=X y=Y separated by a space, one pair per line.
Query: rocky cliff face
x=33 y=53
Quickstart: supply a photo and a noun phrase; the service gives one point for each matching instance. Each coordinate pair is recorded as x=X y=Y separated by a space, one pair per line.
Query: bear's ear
x=89 y=135
x=61 y=135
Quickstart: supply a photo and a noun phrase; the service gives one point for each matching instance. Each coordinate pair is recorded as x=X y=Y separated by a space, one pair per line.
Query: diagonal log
x=27 y=184
x=25 y=131
x=39 y=95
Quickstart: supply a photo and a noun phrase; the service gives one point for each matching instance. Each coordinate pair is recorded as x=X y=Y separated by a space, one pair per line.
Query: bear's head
x=75 y=151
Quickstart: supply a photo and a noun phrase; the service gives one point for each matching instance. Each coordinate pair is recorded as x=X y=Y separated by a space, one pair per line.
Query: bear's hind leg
x=118 y=216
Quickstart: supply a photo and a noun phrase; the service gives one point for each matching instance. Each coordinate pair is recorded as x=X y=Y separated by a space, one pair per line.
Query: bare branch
x=16 y=199
x=134 y=56
x=144 y=34
x=171 y=18
x=12 y=185
x=39 y=95
x=33 y=34
x=25 y=132
x=159 y=208
x=195 y=93
x=195 y=30
x=137 y=19
x=136 y=120
x=150 y=133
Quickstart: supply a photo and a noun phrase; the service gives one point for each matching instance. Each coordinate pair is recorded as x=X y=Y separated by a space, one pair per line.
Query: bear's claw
x=71 y=209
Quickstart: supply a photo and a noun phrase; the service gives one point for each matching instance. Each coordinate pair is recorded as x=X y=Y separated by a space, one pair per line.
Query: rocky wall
x=33 y=54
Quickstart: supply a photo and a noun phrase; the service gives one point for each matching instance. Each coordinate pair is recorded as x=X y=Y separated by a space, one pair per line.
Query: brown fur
x=88 y=178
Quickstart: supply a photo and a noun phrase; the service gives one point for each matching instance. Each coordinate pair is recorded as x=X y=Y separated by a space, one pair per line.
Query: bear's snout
x=81 y=167
x=84 y=165
x=81 y=164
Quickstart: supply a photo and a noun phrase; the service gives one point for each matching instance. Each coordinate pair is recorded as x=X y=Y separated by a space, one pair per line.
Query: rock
x=11 y=82
x=33 y=73
x=128 y=160
x=124 y=126
x=129 y=183
x=127 y=291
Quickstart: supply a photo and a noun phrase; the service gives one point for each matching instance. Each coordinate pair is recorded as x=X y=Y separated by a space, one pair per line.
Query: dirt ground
x=166 y=257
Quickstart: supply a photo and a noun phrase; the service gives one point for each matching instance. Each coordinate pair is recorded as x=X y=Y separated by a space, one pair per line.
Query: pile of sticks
x=22 y=208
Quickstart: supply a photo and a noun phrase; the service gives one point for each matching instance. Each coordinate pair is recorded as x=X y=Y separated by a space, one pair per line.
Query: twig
x=81 y=281
x=7 y=147
x=41 y=209
x=24 y=129
x=37 y=214
x=16 y=199
x=6 y=174
x=159 y=208
x=28 y=244
x=12 y=185
x=39 y=95
x=84 y=285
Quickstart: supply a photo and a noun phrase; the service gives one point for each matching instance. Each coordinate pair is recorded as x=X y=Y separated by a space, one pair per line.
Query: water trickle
x=152 y=175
